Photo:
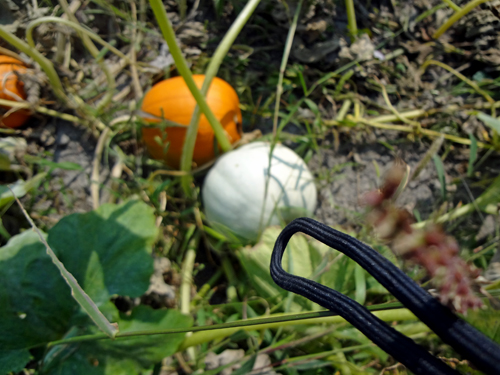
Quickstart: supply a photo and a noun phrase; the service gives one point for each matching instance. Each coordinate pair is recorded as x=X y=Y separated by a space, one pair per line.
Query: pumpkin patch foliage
x=186 y=186
x=109 y=253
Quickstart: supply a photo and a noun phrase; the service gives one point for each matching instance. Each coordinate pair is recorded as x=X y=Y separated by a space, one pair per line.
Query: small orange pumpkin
x=11 y=88
x=172 y=100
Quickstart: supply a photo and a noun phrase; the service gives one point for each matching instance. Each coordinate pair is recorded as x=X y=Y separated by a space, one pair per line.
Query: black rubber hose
x=465 y=339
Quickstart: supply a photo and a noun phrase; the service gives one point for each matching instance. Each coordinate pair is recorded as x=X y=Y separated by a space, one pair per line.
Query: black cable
x=465 y=339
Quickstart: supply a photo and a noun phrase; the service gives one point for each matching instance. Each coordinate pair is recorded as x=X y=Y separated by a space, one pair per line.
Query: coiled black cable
x=465 y=339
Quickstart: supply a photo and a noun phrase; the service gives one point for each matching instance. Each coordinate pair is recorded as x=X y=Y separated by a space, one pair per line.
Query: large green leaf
x=35 y=302
x=13 y=360
x=108 y=250
x=301 y=258
x=124 y=355
x=256 y=260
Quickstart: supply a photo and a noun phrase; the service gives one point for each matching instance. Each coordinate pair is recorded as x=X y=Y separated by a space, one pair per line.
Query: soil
x=73 y=144
x=355 y=166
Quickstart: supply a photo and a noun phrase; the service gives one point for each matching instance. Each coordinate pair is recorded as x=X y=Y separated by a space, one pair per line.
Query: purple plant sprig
x=430 y=247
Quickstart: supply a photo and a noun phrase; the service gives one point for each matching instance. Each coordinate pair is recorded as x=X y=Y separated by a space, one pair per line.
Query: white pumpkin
x=234 y=192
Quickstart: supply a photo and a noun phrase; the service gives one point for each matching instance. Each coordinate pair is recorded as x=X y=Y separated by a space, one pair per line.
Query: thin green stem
x=255 y=324
x=394 y=110
x=466 y=209
x=187 y=282
x=279 y=91
x=284 y=61
x=333 y=74
x=409 y=115
x=182 y=8
x=416 y=332
x=45 y=111
x=486 y=202
x=351 y=18
x=386 y=312
x=182 y=67
x=459 y=75
x=455 y=17
x=206 y=287
x=346 y=105
x=211 y=72
x=44 y=63
x=452 y=5
x=409 y=129
x=425 y=14
x=231 y=278
x=433 y=150
x=207 y=336
x=493 y=286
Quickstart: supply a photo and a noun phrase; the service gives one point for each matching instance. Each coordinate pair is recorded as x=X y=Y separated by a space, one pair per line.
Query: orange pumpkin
x=10 y=84
x=172 y=100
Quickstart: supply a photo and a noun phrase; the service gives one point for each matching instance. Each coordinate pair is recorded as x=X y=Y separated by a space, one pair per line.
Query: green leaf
x=219 y=6
x=35 y=302
x=223 y=233
x=360 y=278
x=256 y=261
x=310 y=259
x=247 y=367
x=13 y=360
x=304 y=258
x=441 y=174
x=124 y=355
x=312 y=106
x=3 y=232
x=108 y=250
x=77 y=292
x=20 y=189
x=486 y=320
x=489 y=121
x=67 y=165
x=340 y=85
x=340 y=276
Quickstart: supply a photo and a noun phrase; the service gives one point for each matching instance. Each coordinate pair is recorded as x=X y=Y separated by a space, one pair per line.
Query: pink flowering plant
x=430 y=247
